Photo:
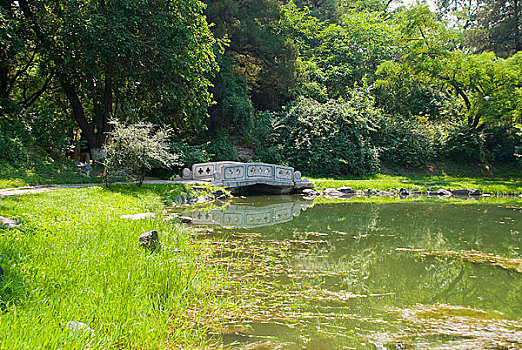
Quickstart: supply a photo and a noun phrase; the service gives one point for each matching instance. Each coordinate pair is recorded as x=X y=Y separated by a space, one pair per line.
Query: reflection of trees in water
x=356 y=245
x=333 y=251
x=422 y=225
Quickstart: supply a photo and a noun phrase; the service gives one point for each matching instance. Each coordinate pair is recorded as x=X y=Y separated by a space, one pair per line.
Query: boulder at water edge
x=346 y=190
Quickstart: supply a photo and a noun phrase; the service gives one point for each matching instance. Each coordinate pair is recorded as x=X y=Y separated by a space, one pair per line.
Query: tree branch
x=459 y=91
x=20 y=72
x=32 y=99
x=61 y=72
x=476 y=120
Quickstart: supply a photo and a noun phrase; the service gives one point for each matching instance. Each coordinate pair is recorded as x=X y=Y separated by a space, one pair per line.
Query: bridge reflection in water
x=244 y=213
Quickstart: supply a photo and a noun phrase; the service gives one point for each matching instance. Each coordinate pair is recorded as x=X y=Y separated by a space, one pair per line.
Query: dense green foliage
x=267 y=77
x=431 y=96
x=259 y=54
x=108 y=59
x=334 y=135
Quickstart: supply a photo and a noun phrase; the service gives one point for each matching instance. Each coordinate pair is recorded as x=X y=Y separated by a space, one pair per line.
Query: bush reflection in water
x=370 y=275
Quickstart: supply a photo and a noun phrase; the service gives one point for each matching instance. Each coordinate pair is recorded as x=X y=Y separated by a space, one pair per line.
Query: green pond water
x=431 y=274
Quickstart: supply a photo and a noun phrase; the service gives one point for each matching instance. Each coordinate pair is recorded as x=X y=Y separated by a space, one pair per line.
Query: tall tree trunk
x=5 y=6
x=95 y=130
x=518 y=40
x=102 y=113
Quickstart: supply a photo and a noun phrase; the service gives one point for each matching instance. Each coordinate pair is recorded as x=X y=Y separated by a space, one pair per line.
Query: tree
x=334 y=58
x=113 y=58
x=325 y=10
x=488 y=25
x=24 y=75
x=260 y=54
x=486 y=86
x=498 y=27
x=233 y=109
x=333 y=10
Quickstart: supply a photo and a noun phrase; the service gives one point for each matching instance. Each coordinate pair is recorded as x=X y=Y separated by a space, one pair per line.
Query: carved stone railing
x=234 y=175
x=205 y=171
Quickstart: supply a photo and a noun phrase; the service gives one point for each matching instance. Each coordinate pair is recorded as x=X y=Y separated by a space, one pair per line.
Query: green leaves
x=138 y=59
x=334 y=136
x=336 y=57
x=429 y=57
x=133 y=149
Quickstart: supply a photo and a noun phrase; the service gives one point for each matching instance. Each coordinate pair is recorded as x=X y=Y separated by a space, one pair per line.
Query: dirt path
x=6 y=192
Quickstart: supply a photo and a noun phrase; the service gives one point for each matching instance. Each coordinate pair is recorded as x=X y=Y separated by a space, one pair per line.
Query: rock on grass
x=8 y=223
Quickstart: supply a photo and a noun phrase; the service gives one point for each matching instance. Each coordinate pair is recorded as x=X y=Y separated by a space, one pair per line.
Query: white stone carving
x=205 y=171
x=187 y=174
x=235 y=175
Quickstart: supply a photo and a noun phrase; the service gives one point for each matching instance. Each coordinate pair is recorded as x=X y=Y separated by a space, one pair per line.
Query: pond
x=430 y=274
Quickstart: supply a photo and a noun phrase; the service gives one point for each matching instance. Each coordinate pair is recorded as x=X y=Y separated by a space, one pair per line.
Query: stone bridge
x=249 y=177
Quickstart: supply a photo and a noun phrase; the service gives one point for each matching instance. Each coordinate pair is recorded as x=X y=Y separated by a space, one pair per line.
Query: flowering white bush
x=133 y=149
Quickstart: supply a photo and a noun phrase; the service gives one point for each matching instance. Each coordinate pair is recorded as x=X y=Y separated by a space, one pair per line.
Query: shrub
x=188 y=155
x=14 y=139
x=332 y=137
x=465 y=144
x=133 y=149
x=221 y=148
x=263 y=135
x=501 y=143
x=410 y=142
x=50 y=128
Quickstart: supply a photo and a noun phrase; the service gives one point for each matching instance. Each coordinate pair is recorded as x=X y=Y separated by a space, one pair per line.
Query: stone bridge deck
x=261 y=177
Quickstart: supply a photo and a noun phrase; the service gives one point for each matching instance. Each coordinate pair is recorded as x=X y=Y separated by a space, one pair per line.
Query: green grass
x=494 y=200
x=44 y=172
x=74 y=259
x=500 y=185
x=11 y=183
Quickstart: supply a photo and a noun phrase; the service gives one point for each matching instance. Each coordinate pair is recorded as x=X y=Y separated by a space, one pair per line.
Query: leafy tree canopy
x=127 y=59
x=334 y=58
x=261 y=55
x=486 y=85
x=488 y=25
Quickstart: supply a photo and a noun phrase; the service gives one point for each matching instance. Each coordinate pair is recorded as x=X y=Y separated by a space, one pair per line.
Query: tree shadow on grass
x=167 y=192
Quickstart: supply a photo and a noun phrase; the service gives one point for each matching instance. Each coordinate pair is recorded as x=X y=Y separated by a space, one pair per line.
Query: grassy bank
x=501 y=201
x=492 y=185
x=74 y=259
x=41 y=173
